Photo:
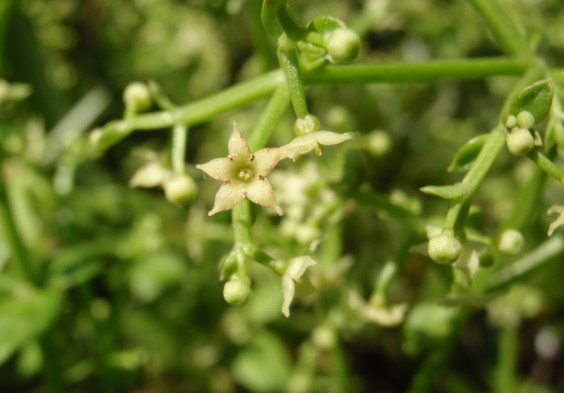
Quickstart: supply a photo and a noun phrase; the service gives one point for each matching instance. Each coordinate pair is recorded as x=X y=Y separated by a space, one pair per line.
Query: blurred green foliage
x=122 y=293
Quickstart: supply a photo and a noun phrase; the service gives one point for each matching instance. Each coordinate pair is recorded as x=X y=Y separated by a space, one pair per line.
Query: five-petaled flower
x=243 y=174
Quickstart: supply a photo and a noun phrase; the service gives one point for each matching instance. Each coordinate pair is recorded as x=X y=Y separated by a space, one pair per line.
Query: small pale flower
x=292 y=276
x=558 y=208
x=150 y=175
x=243 y=175
x=306 y=143
x=377 y=313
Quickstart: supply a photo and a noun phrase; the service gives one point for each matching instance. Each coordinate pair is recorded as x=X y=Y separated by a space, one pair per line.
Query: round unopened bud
x=525 y=120
x=378 y=143
x=510 y=121
x=444 y=248
x=510 y=242
x=519 y=141
x=137 y=97
x=236 y=293
x=180 y=188
x=307 y=125
x=343 y=45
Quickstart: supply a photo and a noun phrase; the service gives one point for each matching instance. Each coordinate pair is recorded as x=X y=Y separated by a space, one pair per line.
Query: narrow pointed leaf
x=451 y=191
x=466 y=155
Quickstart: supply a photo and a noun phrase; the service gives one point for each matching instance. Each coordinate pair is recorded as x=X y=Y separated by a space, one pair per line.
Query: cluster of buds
x=521 y=138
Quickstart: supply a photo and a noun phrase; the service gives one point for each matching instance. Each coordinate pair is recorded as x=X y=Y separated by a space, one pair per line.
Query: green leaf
x=269 y=18
x=535 y=98
x=466 y=155
x=25 y=315
x=451 y=191
x=325 y=24
x=264 y=365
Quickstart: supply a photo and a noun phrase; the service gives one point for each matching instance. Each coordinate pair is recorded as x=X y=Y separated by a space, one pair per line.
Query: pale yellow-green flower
x=293 y=274
x=376 y=312
x=243 y=174
x=306 y=143
x=558 y=208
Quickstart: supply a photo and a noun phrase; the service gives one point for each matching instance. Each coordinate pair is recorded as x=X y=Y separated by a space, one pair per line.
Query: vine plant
x=531 y=124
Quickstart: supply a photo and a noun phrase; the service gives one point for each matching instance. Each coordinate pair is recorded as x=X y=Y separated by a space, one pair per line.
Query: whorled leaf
x=467 y=153
x=451 y=191
x=535 y=99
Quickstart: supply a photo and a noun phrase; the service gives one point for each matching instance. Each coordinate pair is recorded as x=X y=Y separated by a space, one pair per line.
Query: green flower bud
x=307 y=125
x=343 y=45
x=444 y=248
x=236 y=293
x=519 y=141
x=180 y=189
x=137 y=97
x=510 y=242
x=510 y=121
x=525 y=120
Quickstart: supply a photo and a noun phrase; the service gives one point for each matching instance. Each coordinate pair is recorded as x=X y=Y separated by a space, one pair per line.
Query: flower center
x=245 y=175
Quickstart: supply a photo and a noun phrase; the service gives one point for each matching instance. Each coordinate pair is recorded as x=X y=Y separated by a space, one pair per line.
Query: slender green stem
x=459 y=207
x=382 y=203
x=270 y=116
x=527 y=201
x=241 y=218
x=391 y=267
x=289 y=63
x=463 y=69
x=505 y=381
x=502 y=27
x=21 y=256
x=260 y=40
x=102 y=349
x=248 y=91
x=548 y=251
x=427 y=374
x=178 y=148
x=288 y=23
x=207 y=108
x=18 y=251
x=52 y=368
x=544 y=163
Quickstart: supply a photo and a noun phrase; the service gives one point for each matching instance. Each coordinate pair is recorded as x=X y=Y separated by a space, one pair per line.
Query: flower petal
x=297 y=266
x=266 y=159
x=558 y=208
x=288 y=290
x=227 y=196
x=260 y=192
x=332 y=138
x=306 y=143
x=150 y=175
x=238 y=146
x=218 y=168
x=299 y=146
